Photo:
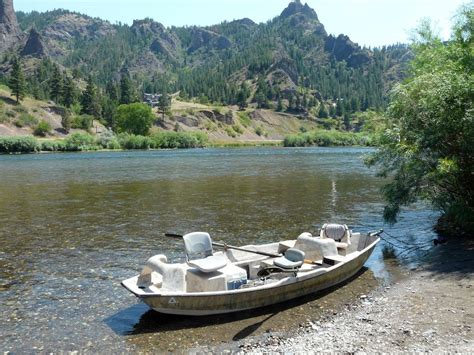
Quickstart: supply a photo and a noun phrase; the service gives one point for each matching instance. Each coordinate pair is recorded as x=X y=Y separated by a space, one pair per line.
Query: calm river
x=72 y=226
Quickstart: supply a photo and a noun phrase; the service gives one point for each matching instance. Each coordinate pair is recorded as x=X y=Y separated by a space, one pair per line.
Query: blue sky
x=368 y=22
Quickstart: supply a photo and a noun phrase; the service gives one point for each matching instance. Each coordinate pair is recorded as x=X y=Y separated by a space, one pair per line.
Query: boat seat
x=292 y=259
x=199 y=253
x=315 y=248
x=340 y=233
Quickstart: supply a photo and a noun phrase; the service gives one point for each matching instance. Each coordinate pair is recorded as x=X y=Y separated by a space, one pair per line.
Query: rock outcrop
x=73 y=26
x=342 y=48
x=296 y=7
x=303 y=16
x=164 y=42
x=34 y=46
x=208 y=39
x=10 y=32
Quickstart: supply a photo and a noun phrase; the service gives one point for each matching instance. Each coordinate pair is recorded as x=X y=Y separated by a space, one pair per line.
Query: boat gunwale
x=281 y=283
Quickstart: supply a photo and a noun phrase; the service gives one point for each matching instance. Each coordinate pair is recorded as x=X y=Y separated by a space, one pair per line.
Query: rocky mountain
x=290 y=58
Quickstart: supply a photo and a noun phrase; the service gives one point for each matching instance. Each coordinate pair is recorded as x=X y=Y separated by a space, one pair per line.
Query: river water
x=72 y=226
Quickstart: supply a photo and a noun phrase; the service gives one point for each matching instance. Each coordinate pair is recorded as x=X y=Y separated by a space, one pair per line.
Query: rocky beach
x=429 y=309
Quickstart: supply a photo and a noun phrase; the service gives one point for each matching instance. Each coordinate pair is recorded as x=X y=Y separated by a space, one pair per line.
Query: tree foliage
x=134 y=119
x=17 y=81
x=429 y=151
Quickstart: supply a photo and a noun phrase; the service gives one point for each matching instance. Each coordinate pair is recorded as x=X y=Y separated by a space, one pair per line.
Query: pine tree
x=323 y=112
x=164 y=104
x=69 y=92
x=56 y=84
x=66 y=120
x=279 y=105
x=127 y=95
x=17 y=82
x=89 y=101
x=242 y=96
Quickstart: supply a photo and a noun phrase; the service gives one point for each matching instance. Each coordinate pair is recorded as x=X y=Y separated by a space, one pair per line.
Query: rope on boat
x=408 y=247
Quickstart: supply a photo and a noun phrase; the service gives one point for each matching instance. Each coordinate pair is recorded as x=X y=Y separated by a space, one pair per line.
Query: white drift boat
x=252 y=276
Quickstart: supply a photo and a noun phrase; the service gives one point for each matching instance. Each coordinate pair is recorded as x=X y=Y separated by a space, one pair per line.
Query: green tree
x=90 y=100
x=42 y=129
x=323 y=112
x=66 y=120
x=17 y=82
x=127 y=93
x=134 y=118
x=68 y=92
x=56 y=84
x=279 y=107
x=164 y=105
x=429 y=153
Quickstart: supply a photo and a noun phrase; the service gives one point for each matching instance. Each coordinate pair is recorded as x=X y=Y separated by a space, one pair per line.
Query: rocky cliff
x=10 y=32
x=34 y=46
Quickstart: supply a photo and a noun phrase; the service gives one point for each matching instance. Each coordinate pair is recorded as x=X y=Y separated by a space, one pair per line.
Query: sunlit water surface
x=72 y=226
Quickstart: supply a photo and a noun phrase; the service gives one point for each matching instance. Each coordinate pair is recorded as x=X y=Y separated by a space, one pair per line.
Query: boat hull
x=205 y=304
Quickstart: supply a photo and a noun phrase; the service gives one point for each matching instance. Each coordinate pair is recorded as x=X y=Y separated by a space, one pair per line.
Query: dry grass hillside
x=223 y=125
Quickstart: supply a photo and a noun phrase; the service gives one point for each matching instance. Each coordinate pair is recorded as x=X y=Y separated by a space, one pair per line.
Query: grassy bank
x=77 y=142
x=323 y=138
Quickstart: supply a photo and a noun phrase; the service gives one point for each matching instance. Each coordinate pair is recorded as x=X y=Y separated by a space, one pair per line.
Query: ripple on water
x=72 y=226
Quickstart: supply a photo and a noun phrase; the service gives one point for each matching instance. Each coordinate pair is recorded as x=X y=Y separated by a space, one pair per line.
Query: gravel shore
x=431 y=310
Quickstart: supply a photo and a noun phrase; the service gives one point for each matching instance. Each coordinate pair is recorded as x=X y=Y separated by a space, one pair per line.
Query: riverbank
x=429 y=309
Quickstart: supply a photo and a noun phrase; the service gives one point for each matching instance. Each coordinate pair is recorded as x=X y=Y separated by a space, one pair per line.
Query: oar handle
x=376 y=233
x=226 y=246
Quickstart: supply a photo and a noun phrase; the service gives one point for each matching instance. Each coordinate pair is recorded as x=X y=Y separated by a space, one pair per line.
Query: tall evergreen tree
x=68 y=92
x=127 y=94
x=242 y=96
x=17 y=82
x=323 y=112
x=164 y=104
x=56 y=84
x=90 y=101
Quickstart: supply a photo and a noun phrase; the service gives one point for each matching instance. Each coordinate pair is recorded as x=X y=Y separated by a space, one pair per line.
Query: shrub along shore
x=328 y=138
x=78 y=142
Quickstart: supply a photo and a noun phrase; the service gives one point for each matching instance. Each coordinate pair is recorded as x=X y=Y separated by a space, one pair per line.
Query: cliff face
x=34 y=45
x=9 y=30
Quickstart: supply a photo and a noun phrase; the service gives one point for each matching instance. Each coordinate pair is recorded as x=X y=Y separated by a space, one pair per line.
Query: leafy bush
x=82 y=122
x=10 y=114
x=237 y=129
x=259 y=131
x=26 y=120
x=80 y=142
x=172 y=140
x=108 y=140
x=230 y=132
x=244 y=119
x=322 y=138
x=18 y=145
x=42 y=128
x=134 y=118
x=20 y=109
x=131 y=141
x=53 y=146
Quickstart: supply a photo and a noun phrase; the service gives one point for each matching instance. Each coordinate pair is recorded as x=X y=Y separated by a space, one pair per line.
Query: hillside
x=288 y=69
x=223 y=125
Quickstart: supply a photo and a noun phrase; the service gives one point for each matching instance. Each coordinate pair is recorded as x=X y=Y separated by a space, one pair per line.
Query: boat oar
x=227 y=246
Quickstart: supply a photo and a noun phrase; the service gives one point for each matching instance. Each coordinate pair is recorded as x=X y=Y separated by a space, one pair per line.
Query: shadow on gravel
x=139 y=319
x=454 y=257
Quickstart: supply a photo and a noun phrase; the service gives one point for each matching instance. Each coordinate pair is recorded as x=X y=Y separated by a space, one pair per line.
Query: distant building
x=151 y=99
